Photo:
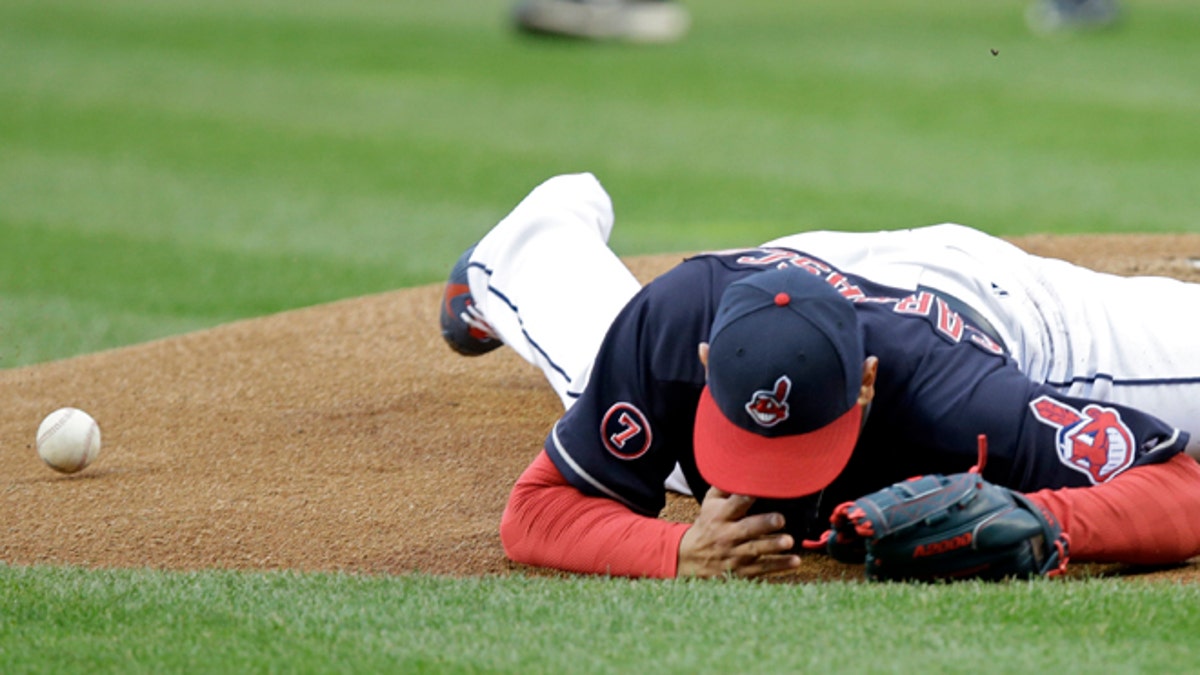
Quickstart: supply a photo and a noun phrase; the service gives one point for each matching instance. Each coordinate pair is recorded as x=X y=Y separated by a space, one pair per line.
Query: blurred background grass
x=168 y=166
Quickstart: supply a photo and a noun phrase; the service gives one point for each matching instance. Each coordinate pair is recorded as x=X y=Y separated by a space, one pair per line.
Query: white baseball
x=68 y=440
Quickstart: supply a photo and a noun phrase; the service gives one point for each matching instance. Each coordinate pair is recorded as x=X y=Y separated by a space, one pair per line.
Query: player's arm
x=549 y=523
x=1130 y=494
x=1114 y=477
x=1148 y=515
x=1037 y=437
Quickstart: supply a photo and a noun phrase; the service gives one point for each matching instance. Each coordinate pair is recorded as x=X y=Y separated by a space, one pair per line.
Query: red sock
x=1148 y=515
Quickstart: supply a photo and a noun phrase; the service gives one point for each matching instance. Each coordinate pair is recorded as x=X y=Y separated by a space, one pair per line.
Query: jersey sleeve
x=1037 y=437
x=1145 y=517
x=549 y=523
x=1071 y=441
x=634 y=420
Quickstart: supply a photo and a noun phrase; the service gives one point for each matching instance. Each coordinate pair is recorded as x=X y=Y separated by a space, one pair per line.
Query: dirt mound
x=339 y=437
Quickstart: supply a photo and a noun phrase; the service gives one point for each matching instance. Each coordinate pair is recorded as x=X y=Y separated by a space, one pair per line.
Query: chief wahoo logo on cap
x=769 y=408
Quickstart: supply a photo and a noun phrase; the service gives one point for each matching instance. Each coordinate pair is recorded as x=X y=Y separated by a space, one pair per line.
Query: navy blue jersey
x=942 y=380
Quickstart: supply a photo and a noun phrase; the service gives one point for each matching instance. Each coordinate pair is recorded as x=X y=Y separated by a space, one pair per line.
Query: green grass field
x=133 y=621
x=171 y=165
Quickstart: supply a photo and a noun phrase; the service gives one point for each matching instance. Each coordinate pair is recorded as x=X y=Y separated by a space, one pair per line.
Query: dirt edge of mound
x=338 y=437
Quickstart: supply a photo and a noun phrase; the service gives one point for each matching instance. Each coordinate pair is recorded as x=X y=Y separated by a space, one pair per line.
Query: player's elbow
x=539 y=523
x=522 y=526
x=513 y=532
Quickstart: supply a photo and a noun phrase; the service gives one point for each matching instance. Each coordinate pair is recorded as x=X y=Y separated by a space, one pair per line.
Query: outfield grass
x=170 y=165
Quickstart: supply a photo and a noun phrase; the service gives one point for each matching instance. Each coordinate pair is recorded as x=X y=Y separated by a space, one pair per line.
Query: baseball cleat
x=630 y=20
x=463 y=326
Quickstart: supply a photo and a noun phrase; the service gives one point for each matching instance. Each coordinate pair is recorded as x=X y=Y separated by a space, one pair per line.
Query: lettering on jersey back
x=625 y=431
x=1095 y=441
x=986 y=342
x=917 y=304
x=844 y=286
x=948 y=322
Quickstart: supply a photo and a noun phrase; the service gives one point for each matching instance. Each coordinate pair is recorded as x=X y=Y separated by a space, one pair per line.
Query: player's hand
x=725 y=540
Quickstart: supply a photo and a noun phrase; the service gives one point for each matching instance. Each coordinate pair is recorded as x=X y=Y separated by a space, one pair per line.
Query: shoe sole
x=455 y=331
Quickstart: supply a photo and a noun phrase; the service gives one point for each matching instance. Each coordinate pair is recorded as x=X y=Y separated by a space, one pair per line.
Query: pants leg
x=548 y=283
x=1128 y=340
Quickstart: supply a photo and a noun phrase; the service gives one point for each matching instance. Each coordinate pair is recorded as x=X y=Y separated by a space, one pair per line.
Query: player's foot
x=463 y=325
x=1053 y=16
x=630 y=20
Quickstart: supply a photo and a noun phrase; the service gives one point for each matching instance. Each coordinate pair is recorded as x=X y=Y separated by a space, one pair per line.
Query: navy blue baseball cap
x=779 y=416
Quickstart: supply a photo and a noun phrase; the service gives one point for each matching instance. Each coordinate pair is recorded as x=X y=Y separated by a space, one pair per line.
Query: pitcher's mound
x=340 y=437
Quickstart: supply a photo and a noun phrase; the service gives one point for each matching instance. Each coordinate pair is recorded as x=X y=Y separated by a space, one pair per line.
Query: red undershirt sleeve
x=549 y=523
x=1149 y=515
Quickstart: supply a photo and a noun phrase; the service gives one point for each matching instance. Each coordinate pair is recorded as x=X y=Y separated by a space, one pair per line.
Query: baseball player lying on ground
x=796 y=386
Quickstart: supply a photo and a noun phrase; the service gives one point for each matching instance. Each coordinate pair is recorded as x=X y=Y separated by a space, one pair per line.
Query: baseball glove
x=947 y=527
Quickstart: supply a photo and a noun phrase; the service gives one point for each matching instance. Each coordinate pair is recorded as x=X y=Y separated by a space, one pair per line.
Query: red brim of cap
x=745 y=463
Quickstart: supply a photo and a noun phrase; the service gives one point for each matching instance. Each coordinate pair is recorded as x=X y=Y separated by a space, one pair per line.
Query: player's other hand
x=725 y=540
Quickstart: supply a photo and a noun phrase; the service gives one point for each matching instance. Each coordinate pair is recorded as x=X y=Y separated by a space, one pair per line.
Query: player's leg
x=1129 y=340
x=546 y=283
x=946 y=258
x=1090 y=334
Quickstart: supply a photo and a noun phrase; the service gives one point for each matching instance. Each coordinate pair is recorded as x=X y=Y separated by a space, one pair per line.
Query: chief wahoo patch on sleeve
x=1094 y=441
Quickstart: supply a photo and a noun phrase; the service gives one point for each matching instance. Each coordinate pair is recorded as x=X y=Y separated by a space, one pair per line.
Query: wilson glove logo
x=1094 y=441
x=768 y=408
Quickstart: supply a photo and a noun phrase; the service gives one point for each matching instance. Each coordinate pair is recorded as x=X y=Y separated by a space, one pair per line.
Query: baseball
x=68 y=440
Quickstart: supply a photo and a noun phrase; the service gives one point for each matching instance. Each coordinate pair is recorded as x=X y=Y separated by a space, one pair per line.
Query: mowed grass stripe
x=70 y=292
x=914 y=141
x=159 y=195
x=329 y=160
x=162 y=278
